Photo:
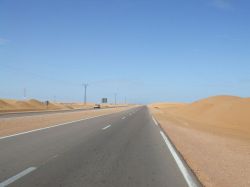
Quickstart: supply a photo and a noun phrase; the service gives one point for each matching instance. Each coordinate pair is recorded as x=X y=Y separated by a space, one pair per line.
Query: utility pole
x=24 y=93
x=115 y=97
x=85 y=93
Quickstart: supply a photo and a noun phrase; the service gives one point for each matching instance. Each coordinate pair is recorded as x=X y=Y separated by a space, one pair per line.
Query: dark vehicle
x=97 y=106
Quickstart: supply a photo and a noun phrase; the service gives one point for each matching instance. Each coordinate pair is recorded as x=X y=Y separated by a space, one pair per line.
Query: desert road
x=127 y=149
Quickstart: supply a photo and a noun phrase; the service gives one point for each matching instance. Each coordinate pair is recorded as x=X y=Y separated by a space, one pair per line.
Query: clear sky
x=144 y=50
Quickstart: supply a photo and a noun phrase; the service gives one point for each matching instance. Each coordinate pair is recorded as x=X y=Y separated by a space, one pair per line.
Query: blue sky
x=144 y=50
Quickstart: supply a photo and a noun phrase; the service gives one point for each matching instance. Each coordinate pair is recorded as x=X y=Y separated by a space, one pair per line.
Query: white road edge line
x=124 y=117
x=179 y=162
x=61 y=124
x=104 y=128
x=18 y=176
x=155 y=121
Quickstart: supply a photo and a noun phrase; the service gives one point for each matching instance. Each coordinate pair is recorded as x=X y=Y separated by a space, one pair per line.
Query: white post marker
x=179 y=162
x=16 y=177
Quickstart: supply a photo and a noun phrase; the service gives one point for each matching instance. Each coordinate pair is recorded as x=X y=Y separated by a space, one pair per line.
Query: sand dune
x=229 y=114
x=213 y=135
x=4 y=105
x=222 y=109
x=8 y=105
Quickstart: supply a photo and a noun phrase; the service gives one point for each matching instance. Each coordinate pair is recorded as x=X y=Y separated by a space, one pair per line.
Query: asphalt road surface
x=120 y=149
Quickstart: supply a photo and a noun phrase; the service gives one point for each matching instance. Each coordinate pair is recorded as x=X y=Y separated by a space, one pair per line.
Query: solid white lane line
x=179 y=162
x=106 y=127
x=16 y=177
x=124 y=117
x=155 y=121
x=61 y=124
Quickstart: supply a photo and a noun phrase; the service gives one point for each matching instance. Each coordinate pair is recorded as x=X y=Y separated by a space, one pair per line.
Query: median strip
x=13 y=126
x=44 y=128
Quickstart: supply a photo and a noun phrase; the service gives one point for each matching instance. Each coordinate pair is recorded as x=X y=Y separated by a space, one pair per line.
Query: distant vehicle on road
x=97 y=106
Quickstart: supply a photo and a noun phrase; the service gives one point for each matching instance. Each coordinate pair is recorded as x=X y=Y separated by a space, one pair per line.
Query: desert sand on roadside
x=10 y=105
x=213 y=135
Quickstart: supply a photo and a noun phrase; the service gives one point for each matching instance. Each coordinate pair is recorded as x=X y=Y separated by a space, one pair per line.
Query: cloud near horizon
x=3 y=41
x=223 y=4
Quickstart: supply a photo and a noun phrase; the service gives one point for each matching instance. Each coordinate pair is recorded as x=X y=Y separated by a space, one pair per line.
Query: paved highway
x=120 y=149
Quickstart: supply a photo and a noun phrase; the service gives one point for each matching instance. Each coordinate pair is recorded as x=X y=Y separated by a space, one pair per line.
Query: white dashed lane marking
x=106 y=127
x=17 y=176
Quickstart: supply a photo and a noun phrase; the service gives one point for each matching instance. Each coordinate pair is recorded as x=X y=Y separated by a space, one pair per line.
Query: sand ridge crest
x=230 y=114
x=10 y=105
